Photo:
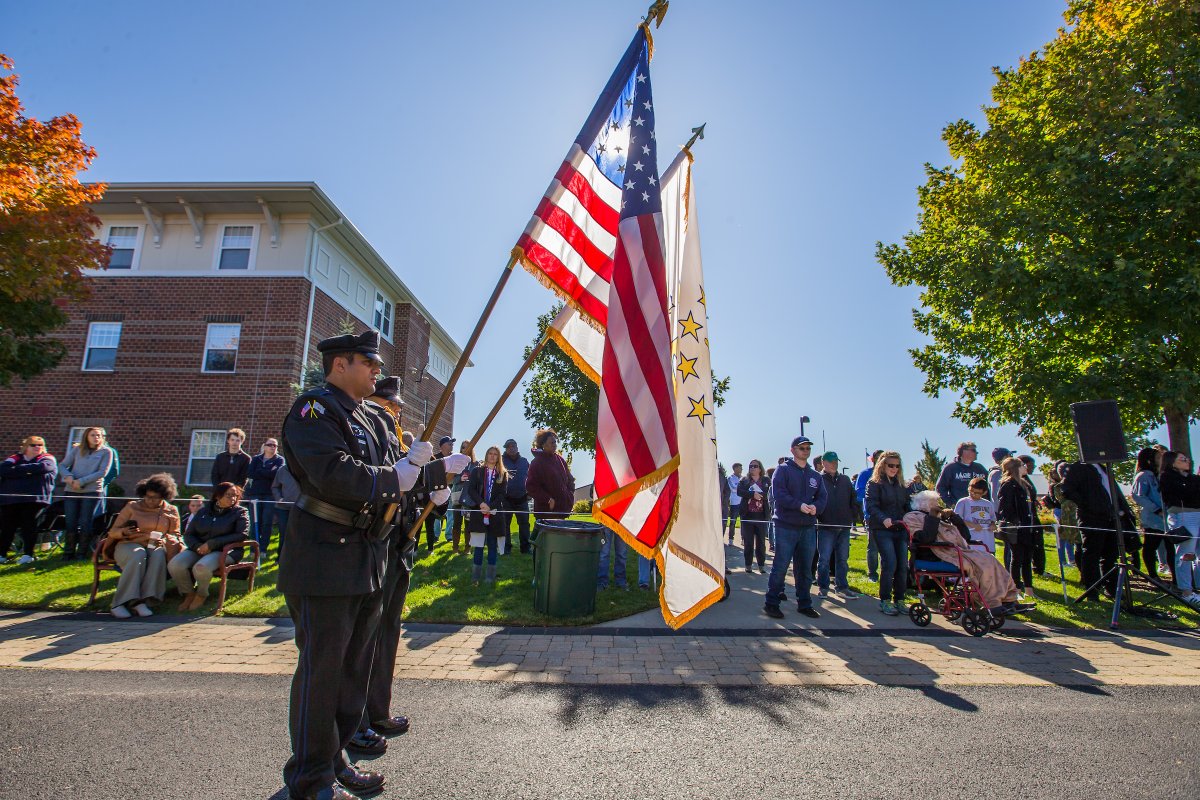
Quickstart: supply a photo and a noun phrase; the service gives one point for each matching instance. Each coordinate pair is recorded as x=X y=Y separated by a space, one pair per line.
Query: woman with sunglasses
x=885 y=504
x=753 y=489
x=26 y=488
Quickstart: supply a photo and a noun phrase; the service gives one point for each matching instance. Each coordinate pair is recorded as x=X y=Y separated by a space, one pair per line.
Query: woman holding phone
x=137 y=541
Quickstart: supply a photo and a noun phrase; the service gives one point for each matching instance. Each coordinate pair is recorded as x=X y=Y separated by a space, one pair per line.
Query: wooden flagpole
x=436 y=416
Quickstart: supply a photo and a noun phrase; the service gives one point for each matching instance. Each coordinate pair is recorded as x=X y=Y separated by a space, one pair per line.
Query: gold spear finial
x=697 y=133
x=656 y=12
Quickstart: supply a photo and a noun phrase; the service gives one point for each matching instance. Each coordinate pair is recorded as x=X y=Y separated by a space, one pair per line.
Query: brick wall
x=157 y=394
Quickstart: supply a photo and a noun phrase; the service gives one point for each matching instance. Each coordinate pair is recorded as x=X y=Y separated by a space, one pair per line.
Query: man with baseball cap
x=799 y=495
x=833 y=533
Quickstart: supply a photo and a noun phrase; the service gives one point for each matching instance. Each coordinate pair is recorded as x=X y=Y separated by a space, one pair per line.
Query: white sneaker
x=143 y=610
x=25 y=560
x=121 y=612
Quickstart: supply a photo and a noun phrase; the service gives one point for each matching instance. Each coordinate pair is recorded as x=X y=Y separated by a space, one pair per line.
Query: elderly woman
x=219 y=522
x=930 y=523
x=137 y=541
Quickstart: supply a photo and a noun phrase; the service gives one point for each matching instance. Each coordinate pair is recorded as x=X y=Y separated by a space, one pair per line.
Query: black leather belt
x=336 y=514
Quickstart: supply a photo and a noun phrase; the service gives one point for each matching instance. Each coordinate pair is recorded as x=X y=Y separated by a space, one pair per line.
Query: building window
x=383 y=316
x=123 y=239
x=221 y=346
x=100 y=353
x=205 y=447
x=237 y=247
x=75 y=437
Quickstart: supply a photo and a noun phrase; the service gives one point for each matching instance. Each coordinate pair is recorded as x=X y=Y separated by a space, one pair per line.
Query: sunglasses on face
x=804 y=447
x=891 y=466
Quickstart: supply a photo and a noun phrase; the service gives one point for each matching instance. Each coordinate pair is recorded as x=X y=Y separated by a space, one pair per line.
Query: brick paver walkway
x=890 y=657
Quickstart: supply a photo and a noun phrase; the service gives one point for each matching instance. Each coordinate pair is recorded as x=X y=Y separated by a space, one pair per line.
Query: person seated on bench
x=138 y=540
x=219 y=522
x=929 y=523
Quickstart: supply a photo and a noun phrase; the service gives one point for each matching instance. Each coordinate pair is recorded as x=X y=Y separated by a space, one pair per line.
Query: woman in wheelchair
x=930 y=524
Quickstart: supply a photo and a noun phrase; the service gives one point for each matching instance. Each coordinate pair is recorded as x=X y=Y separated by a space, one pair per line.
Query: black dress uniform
x=333 y=574
x=378 y=715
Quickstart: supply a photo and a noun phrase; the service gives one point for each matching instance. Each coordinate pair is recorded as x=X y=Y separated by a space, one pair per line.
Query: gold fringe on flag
x=533 y=269
x=573 y=354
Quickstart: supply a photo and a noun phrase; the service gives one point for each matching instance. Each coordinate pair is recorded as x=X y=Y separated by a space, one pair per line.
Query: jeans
x=872 y=558
x=281 y=520
x=1022 y=565
x=831 y=544
x=262 y=512
x=735 y=511
x=893 y=568
x=489 y=540
x=1154 y=542
x=616 y=545
x=795 y=547
x=193 y=572
x=80 y=513
x=645 y=570
x=1185 y=547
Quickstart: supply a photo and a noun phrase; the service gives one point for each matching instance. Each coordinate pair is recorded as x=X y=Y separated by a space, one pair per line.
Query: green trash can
x=566 y=559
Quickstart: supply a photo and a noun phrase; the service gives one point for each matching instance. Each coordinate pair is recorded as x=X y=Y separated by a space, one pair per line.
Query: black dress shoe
x=773 y=612
x=392 y=726
x=368 y=743
x=334 y=792
x=809 y=612
x=360 y=781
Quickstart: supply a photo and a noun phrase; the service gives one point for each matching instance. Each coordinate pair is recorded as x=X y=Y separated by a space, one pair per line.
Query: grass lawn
x=442 y=591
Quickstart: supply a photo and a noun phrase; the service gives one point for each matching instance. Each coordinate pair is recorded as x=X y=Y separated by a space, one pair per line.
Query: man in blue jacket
x=516 y=498
x=957 y=475
x=798 y=495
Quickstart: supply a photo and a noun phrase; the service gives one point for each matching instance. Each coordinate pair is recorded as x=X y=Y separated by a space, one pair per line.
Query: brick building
x=211 y=307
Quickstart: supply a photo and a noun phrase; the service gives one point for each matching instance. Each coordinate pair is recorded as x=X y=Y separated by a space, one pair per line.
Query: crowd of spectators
x=806 y=510
x=803 y=510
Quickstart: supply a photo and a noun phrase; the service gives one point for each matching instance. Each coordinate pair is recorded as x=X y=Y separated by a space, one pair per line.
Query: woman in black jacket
x=885 y=504
x=1015 y=514
x=753 y=490
x=482 y=496
x=1181 y=498
x=221 y=521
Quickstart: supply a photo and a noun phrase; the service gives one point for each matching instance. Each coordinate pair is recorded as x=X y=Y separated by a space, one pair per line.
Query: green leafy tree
x=1059 y=255
x=929 y=467
x=558 y=395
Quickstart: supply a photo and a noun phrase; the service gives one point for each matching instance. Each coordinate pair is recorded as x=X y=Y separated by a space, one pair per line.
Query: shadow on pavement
x=102 y=629
x=581 y=705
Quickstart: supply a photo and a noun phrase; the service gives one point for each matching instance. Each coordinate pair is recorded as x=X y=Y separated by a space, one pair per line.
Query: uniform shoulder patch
x=310 y=409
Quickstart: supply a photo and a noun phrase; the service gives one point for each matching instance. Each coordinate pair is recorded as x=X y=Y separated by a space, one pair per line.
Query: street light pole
x=802 y=421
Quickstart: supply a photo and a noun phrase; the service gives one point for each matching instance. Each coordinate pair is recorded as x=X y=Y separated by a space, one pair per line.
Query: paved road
x=106 y=735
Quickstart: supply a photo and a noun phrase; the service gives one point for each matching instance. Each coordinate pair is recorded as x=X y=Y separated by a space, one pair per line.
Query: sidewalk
x=898 y=655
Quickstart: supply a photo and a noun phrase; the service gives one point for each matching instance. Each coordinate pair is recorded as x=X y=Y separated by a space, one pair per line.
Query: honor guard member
x=333 y=573
x=378 y=717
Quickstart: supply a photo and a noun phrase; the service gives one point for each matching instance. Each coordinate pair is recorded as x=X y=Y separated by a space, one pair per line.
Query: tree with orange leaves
x=47 y=231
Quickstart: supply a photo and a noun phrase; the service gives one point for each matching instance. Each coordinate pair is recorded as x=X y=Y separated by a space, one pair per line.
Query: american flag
x=596 y=239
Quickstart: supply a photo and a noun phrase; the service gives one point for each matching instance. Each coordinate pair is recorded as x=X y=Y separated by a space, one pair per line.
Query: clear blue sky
x=437 y=126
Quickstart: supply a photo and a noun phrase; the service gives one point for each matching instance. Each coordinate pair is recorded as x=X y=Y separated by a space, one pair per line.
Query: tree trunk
x=1178 y=433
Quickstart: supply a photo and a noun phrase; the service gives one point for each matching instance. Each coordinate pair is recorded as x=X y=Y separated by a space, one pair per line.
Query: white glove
x=440 y=497
x=456 y=463
x=420 y=453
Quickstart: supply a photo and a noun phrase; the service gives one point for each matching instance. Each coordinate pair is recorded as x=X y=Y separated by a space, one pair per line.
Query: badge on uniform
x=812 y=482
x=311 y=410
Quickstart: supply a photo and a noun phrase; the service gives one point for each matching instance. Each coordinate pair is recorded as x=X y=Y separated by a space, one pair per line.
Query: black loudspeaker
x=1098 y=431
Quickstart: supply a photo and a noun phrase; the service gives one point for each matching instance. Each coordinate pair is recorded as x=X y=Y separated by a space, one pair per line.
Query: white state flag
x=693 y=558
